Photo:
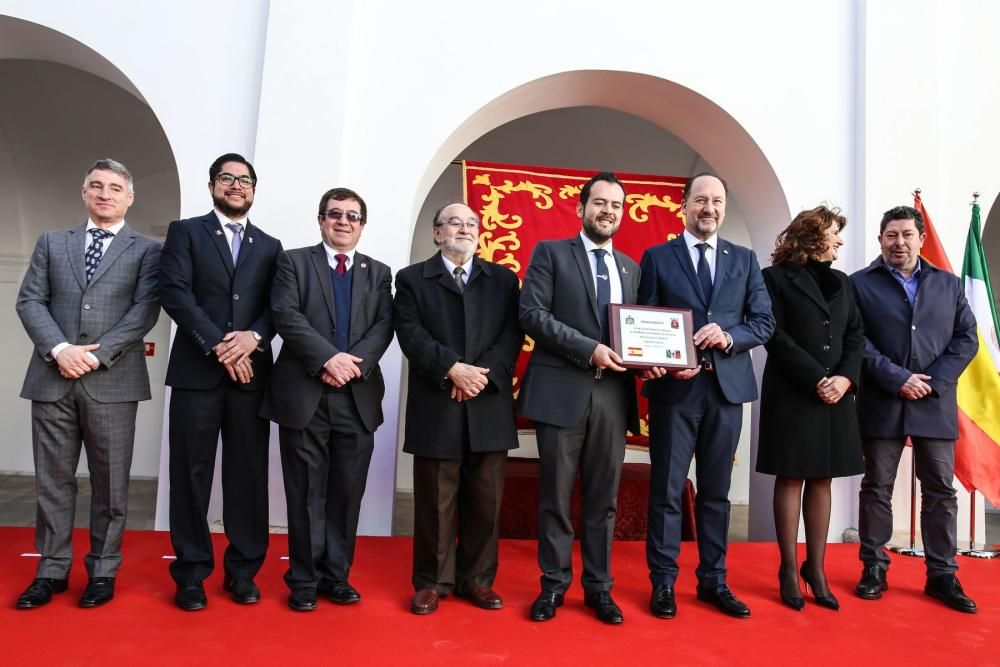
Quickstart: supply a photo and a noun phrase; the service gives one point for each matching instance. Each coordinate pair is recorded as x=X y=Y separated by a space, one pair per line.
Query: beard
x=231 y=212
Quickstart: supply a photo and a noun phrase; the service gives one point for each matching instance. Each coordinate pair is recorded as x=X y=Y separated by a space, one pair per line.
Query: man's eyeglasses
x=353 y=217
x=229 y=179
x=457 y=223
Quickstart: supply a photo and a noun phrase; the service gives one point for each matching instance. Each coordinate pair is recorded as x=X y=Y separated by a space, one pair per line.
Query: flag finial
x=916 y=191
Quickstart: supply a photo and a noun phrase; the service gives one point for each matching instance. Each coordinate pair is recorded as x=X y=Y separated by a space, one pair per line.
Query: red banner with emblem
x=519 y=206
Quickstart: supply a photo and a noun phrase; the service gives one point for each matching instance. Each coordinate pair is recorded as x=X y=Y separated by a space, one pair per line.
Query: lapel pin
x=725 y=252
x=250 y=239
x=623 y=270
x=218 y=232
x=363 y=266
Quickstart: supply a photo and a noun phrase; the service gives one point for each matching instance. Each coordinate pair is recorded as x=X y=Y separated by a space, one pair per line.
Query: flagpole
x=912 y=550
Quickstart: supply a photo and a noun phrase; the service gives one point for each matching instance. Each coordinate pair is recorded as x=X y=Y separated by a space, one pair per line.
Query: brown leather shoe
x=483 y=597
x=425 y=601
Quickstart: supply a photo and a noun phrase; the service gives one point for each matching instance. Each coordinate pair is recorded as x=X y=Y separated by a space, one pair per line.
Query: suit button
x=83 y=335
x=709 y=313
x=229 y=324
x=827 y=370
x=826 y=323
x=236 y=297
x=826 y=347
x=86 y=306
x=914 y=327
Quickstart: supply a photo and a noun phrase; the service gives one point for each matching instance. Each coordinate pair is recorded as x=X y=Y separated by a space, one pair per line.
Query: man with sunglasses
x=215 y=279
x=332 y=307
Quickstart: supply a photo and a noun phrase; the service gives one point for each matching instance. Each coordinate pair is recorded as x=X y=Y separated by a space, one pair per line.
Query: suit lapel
x=721 y=264
x=214 y=230
x=250 y=235
x=360 y=286
x=583 y=263
x=435 y=268
x=76 y=244
x=684 y=259
x=807 y=286
x=122 y=240
x=322 y=268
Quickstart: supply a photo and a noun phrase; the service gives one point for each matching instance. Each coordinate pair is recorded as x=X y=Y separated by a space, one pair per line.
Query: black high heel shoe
x=796 y=603
x=827 y=600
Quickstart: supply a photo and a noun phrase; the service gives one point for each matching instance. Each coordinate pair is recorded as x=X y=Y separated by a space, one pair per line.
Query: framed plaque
x=648 y=336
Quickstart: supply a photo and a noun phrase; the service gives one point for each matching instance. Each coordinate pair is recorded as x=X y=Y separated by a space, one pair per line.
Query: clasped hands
x=831 y=389
x=709 y=336
x=916 y=387
x=233 y=352
x=75 y=361
x=467 y=380
x=340 y=369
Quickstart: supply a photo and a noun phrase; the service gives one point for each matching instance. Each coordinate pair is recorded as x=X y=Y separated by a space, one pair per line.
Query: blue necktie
x=603 y=292
x=92 y=258
x=236 y=228
x=704 y=272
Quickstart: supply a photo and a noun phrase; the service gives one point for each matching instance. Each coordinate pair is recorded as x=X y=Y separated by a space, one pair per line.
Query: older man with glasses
x=215 y=282
x=332 y=306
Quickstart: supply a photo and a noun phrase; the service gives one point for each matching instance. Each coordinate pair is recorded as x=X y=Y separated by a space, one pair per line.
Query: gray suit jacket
x=558 y=309
x=116 y=309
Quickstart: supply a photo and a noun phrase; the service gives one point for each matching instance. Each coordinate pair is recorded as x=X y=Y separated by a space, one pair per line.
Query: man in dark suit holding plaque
x=699 y=412
x=578 y=394
x=332 y=307
x=456 y=318
x=87 y=299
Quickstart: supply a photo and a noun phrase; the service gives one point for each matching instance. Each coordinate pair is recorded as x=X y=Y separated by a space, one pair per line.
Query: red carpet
x=141 y=626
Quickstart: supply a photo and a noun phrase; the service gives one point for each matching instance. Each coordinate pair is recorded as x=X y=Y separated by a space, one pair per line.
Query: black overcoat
x=814 y=337
x=436 y=325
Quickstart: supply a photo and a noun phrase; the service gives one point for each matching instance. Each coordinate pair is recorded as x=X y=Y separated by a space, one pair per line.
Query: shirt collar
x=590 y=246
x=691 y=241
x=899 y=274
x=223 y=220
x=113 y=229
x=450 y=265
x=331 y=255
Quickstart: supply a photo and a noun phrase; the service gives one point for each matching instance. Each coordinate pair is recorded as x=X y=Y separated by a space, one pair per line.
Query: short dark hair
x=343 y=194
x=902 y=213
x=605 y=176
x=690 y=183
x=804 y=238
x=216 y=167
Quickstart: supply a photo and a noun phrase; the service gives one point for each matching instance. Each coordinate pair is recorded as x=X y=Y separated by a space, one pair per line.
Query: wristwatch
x=260 y=340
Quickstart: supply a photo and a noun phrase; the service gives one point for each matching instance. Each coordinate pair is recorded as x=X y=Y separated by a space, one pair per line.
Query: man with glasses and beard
x=215 y=282
x=332 y=307
x=456 y=318
x=578 y=394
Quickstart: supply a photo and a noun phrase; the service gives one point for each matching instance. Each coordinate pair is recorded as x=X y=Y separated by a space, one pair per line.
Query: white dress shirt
x=613 y=276
x=713 y=243
x=223 y=221
x=450 y=265
x=331 y=257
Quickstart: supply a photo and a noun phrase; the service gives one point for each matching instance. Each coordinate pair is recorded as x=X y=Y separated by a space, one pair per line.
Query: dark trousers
x=462 y=496
x=107 y=431
x=595 y=446
x=935 y=468
x=325 y=468
x=706 y=426
x=196 y=419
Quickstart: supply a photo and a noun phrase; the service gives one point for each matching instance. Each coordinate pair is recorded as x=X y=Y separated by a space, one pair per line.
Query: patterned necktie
x=603 y=292
x=237 y=229
x=92 y=259
x=341 y=267
x=459 y=272
x=704 y=272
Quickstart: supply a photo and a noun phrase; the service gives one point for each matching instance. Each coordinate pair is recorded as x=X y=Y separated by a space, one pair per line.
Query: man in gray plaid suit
x=88 y=298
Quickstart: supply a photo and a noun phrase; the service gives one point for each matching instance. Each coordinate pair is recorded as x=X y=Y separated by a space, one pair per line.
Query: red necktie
x=341 y=267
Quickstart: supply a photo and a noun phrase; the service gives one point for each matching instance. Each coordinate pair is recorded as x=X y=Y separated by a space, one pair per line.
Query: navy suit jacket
x=740 y=305
x=936 y=336
x=207 y=297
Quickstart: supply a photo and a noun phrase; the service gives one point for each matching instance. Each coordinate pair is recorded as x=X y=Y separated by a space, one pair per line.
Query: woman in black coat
x=808 y=426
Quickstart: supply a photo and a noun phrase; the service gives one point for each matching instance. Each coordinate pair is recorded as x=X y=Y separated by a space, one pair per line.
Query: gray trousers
x=595 y=446
x=935 y=468
x=107 y=431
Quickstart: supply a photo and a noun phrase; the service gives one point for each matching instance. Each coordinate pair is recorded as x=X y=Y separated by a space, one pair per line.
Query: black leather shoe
x=544 y=606
x=340 y=592
x=607 y=610
x=723 y=599
x=947 y=589
x=874 y=580
x=302 y=600
x=40 y=592
x=98 y=591
x=243 y=591
x=662 y=604
x=190 y=597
